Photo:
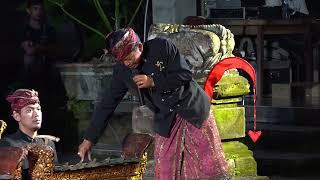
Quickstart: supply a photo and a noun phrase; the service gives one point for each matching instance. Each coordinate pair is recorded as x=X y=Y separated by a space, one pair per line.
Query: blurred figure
x=37 y=42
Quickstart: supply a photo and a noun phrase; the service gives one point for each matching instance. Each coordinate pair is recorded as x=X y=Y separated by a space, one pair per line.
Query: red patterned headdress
x=21 y=98
x=124 y=46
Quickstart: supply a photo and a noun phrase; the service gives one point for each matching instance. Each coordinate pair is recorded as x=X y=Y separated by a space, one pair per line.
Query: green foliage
x=96 y=16
x=81 y=109
x=120 y=18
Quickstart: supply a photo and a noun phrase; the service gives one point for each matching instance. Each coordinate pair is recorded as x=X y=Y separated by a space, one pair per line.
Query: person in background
x=187 y=142
x=38 y=41
x=26 y=110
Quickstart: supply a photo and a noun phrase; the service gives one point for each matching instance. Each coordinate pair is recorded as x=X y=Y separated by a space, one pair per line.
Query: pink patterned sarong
x=190 y=153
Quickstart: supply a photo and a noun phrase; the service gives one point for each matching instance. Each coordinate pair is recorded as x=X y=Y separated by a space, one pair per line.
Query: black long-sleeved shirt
x=175 y=92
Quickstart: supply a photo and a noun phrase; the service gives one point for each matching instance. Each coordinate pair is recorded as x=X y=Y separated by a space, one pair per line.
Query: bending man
x=187 y=143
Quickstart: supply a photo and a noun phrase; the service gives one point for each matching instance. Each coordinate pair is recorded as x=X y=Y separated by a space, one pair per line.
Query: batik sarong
x=190 y=153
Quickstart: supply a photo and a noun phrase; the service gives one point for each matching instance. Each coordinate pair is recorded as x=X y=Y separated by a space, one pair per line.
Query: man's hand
x=143 y=81
x=28 y=47
x=84 y=149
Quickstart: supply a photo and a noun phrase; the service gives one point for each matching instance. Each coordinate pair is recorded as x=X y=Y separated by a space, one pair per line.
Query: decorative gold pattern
x=158 y=160
x=160 y=65
x=174 y=161
x=141 y=169
x=182 y=148
x=195 y=152
x=2 y=127
x=17 y=175
x=123 y=171
x=184 y=166
x=41 y=167
x=40 y=161
x=210 y=143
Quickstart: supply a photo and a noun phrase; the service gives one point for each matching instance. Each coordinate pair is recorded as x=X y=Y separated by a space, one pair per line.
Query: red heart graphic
x=254 y=135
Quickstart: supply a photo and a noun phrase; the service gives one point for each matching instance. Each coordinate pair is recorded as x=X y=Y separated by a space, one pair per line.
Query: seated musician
x=26 y=110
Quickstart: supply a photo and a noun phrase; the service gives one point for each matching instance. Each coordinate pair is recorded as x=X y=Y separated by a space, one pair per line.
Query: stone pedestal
x=240 y=159
x=230 y=119
x=84 y=81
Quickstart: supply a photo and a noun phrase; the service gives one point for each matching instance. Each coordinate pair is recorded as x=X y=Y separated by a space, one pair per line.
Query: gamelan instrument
x=130 y=165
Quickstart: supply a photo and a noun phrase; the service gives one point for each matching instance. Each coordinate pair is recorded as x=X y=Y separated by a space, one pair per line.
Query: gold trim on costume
x=141 y=169
x=3 y=127
x=158 y=160
x=196 y=153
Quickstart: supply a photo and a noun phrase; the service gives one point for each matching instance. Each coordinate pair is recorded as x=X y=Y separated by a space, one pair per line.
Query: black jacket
x=175 y=92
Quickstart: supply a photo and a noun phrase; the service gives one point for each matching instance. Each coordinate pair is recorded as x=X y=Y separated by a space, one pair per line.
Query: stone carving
x=202 y=45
